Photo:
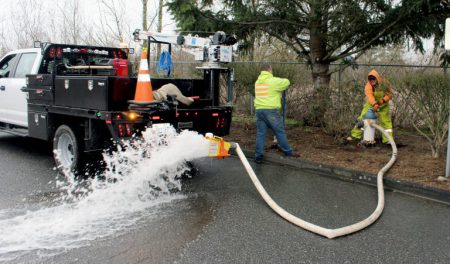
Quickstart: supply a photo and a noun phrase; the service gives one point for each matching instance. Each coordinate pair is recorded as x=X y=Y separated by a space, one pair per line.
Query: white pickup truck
x=78 y=98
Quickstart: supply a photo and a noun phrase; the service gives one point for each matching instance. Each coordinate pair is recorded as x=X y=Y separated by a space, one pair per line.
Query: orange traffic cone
x=143 y=92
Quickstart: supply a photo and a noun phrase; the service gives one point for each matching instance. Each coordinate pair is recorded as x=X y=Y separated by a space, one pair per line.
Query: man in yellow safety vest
x=268 y=91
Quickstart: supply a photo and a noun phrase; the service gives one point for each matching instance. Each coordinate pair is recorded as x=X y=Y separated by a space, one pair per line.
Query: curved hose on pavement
x=329 y=233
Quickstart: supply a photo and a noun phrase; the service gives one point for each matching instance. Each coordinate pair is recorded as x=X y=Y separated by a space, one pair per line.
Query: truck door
x=13 y=68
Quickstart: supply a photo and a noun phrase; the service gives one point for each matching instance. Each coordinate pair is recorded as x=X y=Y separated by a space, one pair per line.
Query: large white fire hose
x=329 y=233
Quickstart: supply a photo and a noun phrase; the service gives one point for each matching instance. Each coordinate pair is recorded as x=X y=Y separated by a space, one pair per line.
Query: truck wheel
x=66 y=149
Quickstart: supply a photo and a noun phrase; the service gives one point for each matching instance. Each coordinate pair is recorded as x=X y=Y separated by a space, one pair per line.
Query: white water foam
x=137 y=179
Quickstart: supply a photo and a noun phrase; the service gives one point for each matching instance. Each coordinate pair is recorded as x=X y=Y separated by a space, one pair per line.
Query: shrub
x=246 y=73
x=427 y=98
x=347 y=102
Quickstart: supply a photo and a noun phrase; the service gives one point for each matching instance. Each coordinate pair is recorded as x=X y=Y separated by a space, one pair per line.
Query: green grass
x=252 y=119
x=244 y=119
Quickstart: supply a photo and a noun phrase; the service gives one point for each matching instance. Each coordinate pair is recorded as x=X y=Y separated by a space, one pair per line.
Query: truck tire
x=66 y=149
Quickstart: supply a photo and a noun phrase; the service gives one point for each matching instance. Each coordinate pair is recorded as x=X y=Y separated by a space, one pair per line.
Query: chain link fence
x=345 y=95
x=346 y=91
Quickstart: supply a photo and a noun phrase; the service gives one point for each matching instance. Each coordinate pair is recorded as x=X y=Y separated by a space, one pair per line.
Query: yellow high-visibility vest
x=268 y=91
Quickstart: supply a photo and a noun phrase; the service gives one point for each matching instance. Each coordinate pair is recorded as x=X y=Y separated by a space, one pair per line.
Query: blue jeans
x=270 y=118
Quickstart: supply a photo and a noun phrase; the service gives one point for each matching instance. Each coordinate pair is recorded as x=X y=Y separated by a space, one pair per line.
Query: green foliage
x=318 y=31
x=245 y=75
x=293 y=122
x=189 y=16
x=244 y=119
x=427 y=97
x=346 y=104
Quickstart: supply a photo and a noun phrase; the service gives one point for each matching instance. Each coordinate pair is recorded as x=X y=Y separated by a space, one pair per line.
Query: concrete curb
x=358 y=176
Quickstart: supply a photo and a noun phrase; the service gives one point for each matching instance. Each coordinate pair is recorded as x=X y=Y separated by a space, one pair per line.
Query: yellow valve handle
x=217 y=146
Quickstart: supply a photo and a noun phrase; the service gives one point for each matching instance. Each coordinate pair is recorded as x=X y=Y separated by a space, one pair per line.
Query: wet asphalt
x=223 y=219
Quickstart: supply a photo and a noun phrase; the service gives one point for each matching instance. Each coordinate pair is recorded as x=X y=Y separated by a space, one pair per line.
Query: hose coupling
x=218 y=147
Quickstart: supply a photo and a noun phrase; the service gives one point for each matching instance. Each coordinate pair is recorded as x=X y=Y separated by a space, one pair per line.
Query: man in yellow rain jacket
x=378 y=94
x=268 y=91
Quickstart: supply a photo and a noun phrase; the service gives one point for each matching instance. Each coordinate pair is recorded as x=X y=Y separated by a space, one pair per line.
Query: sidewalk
x=358 y=176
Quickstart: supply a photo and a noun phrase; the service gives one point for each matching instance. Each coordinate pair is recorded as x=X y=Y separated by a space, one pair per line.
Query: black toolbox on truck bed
x=38 y=121
x=40 y=89
x=40 y=95
x=105 y=93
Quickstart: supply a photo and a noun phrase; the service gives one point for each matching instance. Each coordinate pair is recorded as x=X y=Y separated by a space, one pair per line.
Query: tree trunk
x=252 y=48
x=320 y=69
x=320 y=100
x=144 y=19
x=437 y=150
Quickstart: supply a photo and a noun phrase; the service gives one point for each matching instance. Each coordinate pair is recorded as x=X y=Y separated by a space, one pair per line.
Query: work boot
x=274 y=146
x=295 y=155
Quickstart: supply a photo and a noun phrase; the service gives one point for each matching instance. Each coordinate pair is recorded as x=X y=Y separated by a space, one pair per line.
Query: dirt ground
x=414 y=162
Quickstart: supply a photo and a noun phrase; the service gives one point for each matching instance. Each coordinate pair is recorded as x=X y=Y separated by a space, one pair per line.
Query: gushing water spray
x=138 y=178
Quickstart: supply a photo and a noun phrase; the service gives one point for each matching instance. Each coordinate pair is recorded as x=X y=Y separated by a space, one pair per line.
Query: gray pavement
x=222 y=218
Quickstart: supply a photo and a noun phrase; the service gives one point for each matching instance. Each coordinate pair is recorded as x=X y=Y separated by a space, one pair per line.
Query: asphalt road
x=222 y=218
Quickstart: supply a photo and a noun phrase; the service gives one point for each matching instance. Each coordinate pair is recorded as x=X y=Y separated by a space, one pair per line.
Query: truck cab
x=14 y=67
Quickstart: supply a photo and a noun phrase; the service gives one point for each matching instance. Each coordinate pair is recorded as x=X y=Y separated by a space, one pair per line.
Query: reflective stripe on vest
x=261 y=90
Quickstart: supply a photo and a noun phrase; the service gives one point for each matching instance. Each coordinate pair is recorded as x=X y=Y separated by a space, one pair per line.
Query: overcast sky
x=91 y=13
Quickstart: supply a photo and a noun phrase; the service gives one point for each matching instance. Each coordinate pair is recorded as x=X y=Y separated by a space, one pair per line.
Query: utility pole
x=447 y=170
x=447 y=48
